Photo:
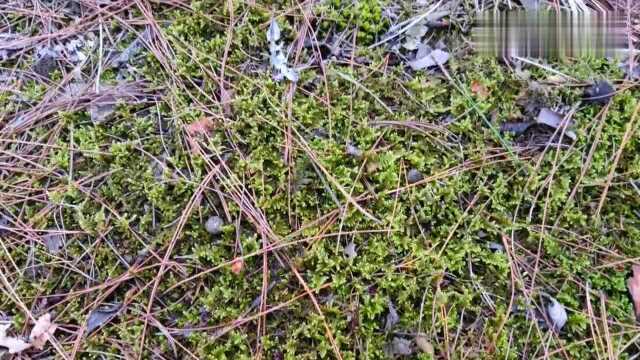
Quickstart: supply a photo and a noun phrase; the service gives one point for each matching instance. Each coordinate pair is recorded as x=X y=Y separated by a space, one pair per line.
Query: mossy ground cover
x=325 y=252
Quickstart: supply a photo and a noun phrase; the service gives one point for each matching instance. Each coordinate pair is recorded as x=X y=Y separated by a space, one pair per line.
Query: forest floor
x=306 y=180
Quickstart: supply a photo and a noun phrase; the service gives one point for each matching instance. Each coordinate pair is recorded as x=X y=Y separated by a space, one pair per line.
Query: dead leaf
x=226 y=97
x=273 y=34
x=556 y=79
x=417 y=31
x=557 y=314
x=277 y=56
x=237 y=265
x=555 y=120
x=100 y=113
x=633 y=283
x=434 y=58
x=200 y=127
x=13 y=344
x=423 y=50
x=42 y=331
x=101 y=316
x=479 y=89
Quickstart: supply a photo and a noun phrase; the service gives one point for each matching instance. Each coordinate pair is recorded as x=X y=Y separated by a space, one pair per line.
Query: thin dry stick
x=605 y=326
x=595 y=330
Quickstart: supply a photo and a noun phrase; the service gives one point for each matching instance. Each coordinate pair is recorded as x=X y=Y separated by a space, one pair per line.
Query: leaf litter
x=102 y=315
x=13 y=344
x=546 y=117
x=277 y=57
x=434 y=58
x=411 y=35
x=423 y=343
x=41 y=332
x=554 y=120
x=400 y=347
x=599 y=92
x=54 y=242
x=556 y=313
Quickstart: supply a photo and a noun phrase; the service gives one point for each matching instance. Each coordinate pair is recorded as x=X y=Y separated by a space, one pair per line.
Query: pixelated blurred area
x=558 y=30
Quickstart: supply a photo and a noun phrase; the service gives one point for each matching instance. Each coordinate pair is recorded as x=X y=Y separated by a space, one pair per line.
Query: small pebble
x=424 y=344
x=413 y=176
x=214 y=225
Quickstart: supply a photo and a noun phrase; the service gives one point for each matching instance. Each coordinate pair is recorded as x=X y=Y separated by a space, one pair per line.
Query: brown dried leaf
x=237 y=265
x=42 y=331
x=479 y=89
x=200 y=127
x=633 y=283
